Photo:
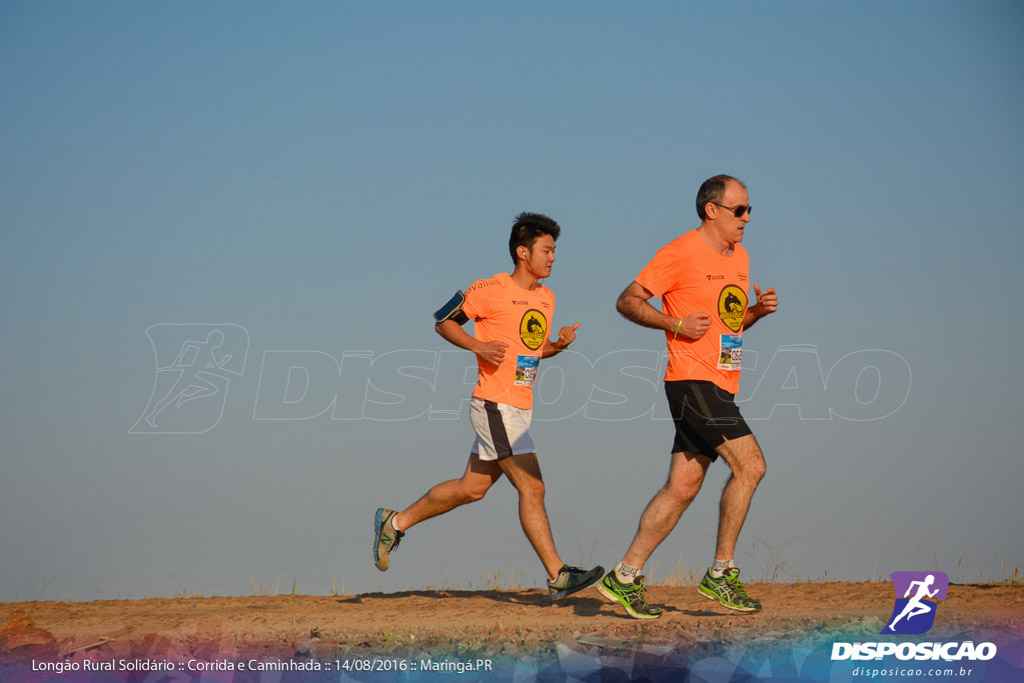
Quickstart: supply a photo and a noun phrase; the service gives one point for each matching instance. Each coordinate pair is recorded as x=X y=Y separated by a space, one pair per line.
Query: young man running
x=512 y=315
x=702 y=279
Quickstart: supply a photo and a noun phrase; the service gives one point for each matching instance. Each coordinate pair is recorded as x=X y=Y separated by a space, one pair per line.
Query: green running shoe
x=728 y=590
x=572 y=579
x=385 y=538
x=629 y=595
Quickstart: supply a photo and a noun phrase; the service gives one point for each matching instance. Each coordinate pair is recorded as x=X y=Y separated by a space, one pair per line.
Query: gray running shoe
x=629 y=595
x=572 y=579
x=385 y=538
x=728 y=590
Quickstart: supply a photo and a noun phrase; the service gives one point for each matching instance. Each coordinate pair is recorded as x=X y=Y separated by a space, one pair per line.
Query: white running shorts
x=501 y=430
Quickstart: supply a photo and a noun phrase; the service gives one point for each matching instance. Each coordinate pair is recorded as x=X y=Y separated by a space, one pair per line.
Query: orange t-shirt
x=503 y=311
x=691 y=277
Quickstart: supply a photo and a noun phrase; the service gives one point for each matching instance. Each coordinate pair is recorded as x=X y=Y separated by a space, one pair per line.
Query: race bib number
x=730 y=353
x=526 y=370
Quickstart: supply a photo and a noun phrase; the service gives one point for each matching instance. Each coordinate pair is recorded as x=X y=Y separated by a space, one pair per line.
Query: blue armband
x=452 y=310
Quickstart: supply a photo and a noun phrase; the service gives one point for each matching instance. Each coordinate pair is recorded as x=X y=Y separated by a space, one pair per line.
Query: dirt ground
x=503 y=625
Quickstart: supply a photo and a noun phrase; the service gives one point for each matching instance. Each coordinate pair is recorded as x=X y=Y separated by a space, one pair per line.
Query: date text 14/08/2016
x=388 y=664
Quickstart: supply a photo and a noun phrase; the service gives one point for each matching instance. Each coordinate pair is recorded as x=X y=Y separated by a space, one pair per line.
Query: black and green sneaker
x=572 y=579
x=728 y=590
x=385 y=538
x=629 y=595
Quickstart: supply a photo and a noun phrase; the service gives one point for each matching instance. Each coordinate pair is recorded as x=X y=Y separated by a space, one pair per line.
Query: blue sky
x=318 y=178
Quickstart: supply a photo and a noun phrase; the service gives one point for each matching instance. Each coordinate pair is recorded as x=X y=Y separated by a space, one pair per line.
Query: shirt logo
x=732 y=304
x=480 y=284
x=533 y=329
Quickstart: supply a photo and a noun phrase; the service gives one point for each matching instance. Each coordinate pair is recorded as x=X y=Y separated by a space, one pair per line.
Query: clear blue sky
x=315 y=179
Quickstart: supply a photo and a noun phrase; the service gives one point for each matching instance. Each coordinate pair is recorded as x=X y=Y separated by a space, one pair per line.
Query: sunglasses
x=737 y=211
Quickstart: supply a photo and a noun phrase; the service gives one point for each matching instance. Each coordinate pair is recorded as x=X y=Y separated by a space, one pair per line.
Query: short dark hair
x=711 y=190
x=527 y=228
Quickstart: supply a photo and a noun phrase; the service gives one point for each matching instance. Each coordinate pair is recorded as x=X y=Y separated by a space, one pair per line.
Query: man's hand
x=566 y=336
x=767 y=302
x=493 y=351
x=695 y=326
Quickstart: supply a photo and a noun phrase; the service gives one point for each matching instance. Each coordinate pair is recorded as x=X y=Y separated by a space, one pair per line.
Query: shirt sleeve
x=662 y=273
x=476 y=305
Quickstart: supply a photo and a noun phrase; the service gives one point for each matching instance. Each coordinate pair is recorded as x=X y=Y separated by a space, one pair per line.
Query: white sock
x=626 y=573
x=719 y=567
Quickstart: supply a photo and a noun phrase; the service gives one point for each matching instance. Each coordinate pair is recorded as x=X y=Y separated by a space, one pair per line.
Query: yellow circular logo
x=533 y=329
x=732 y=304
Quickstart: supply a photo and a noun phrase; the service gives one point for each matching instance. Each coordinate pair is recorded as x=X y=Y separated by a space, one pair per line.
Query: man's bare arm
x=633 y=304
x=566 y=336
x=767 y=303
x=493 y=351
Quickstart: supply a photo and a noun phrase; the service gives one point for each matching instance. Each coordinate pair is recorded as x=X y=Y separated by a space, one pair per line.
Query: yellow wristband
x=677 y=329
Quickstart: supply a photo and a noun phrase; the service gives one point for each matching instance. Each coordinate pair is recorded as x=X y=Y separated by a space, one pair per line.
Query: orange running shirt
x=691 y=277
x=503 y=311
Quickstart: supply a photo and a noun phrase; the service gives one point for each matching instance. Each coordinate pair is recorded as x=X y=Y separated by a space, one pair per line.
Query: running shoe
x=728 y=590
x=572 y=579
x=385 y=538
x=629 y=595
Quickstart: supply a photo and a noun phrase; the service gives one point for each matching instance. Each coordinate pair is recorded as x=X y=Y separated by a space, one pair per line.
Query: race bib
x=526 y=370
x=730 y=352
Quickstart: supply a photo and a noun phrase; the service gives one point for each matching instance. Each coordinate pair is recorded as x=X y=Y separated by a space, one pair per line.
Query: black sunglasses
x=737 y=211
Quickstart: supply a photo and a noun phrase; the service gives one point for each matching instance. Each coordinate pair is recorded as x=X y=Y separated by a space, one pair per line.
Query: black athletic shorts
x=704 y=415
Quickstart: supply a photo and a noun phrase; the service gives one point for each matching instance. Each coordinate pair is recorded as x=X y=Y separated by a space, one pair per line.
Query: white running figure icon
x=191 y=384
x=916 y=606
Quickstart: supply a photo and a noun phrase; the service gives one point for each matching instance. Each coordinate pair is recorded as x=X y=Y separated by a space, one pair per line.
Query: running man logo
x=194 y=366
x=914 y=613
x=732 y=304
x=533 y=329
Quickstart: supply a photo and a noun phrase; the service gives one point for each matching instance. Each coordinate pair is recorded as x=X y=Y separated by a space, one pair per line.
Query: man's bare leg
x=448 y=495
x=390 y=527
x=721 y=582
x=748 y=467
x=685 y=477
x=523 y=471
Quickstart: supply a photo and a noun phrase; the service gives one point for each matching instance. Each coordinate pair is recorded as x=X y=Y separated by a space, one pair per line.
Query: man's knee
x=759 y=470
x=473 y=491
x=683 y=491
x=751 y=469
x=474 y=494
x=684 y=485
x=531 y=488
x=745 y=458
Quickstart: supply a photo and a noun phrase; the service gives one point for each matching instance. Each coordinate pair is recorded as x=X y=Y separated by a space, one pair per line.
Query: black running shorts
x=704 y=416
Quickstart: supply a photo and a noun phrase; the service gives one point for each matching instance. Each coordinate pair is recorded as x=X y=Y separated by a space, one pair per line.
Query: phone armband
x=452 y=310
